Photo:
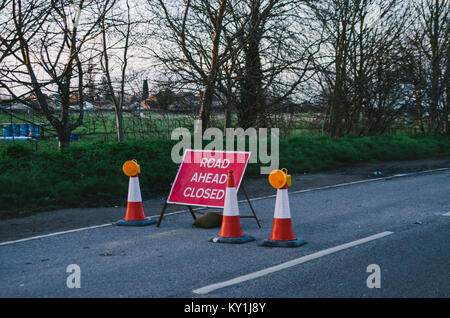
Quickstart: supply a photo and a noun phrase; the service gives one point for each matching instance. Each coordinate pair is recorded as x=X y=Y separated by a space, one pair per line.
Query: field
x=138 y=125
x=101 y=126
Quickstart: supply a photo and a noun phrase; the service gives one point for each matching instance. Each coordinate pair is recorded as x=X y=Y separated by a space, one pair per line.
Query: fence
x=100 y=125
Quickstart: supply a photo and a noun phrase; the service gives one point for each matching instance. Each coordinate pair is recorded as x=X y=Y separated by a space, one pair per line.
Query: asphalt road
x=401 y=221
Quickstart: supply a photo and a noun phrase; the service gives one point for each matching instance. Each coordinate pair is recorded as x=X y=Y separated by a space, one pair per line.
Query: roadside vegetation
x=89 y=174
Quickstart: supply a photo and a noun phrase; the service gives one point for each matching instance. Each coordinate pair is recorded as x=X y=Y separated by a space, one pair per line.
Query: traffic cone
x=282 y=232
x=231 y=230
x=134 y=215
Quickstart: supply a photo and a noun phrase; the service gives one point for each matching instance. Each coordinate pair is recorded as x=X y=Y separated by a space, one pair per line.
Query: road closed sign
x=202 y=177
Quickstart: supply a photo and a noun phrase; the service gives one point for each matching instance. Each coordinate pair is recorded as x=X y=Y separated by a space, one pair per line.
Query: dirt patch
x=256 y=186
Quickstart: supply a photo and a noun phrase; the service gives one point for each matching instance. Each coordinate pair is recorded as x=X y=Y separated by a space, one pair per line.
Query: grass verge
x=90 y=174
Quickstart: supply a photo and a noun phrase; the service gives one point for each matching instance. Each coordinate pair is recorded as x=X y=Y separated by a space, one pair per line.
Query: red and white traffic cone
x=231 y=229
x=282 y=232
x=134 y=215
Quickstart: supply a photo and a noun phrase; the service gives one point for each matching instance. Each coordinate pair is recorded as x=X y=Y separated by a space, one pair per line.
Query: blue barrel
x=24 y=130
x=7 y=131
x=15 y=130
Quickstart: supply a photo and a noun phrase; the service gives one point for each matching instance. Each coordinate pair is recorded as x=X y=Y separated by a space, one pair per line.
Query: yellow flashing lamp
x=280 y=178
x=131 y=168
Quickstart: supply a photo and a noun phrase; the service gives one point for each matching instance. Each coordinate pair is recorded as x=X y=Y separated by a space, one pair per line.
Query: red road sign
x=202 y=177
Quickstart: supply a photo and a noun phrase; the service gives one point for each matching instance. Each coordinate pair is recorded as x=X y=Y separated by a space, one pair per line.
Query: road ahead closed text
x=202 y=177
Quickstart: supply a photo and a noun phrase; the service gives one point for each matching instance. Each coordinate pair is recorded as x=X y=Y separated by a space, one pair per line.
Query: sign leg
x=192 y=212
x=162 y=213
x=250 y=204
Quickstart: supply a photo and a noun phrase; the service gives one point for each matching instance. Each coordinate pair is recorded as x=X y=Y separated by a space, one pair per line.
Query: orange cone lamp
x=231 y=229
x=134 y=215
x=282 y=231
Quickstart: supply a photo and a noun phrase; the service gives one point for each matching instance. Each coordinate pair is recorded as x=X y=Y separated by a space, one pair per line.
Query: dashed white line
x=446 y=214
x=303 y=259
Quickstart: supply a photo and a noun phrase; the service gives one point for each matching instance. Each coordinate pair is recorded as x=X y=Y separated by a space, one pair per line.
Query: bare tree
x=277 y=59
x=446 y=85
x=360 y=66
x=201 y=55
x=120 y=25
x=414 y=61
x=262 y=54
x=433 y=30
x=46 y=57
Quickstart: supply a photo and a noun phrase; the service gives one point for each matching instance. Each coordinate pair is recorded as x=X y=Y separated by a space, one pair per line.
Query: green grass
x=90 y=173
x=306 y=154
x=101 y=125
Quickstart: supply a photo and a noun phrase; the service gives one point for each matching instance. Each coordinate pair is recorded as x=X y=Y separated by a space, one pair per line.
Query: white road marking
x=78 y=230
x=54 y=234
x=269 y=270
x=446 y=214
x=351 y=183
x=253 y=199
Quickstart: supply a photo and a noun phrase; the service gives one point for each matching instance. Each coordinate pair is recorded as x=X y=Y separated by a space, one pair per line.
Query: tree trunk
x=435 y=67
x=205 y=106
x=119 y=123
x=446 y=111
x=419 y=109
x=227 y=120
x=63 y=137
x=434 y=100
x=446 y=81
x=335 y=119
x=252 y=101
x=338 y=101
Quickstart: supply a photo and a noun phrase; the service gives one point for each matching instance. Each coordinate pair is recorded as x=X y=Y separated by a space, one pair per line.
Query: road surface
x=400 y=225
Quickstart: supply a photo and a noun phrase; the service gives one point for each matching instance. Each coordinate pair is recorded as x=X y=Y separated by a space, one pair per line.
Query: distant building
x=150 y=103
